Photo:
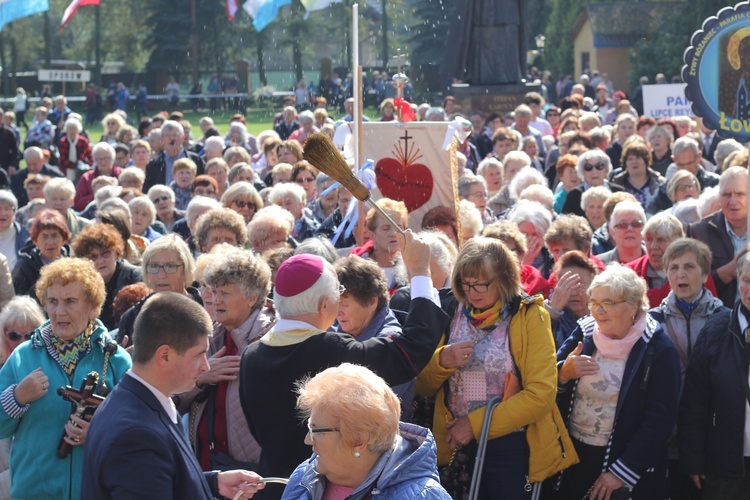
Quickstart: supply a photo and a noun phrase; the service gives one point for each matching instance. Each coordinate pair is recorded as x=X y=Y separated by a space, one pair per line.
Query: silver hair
x=71 y=123
x=320 y=246
x=242 y=268
x=20 y=309
x=627 y=206
x=436 y=114
x=468 y=180
x=594 y=193
x=157 y=190
x=214 y=142
x=7 y=198
x=59 y=185
x=684 y=144
x=172 y=125
x=33 y=150
x=664 y=224
x=442 y=250
x=202 y=204
x=306 y=116
x=308 y=302
x=105 y=193
x=487 y=163
x=144 y=203
x=624 y=283
x=595 y=155
x=281 y=191
x=724 y=149
x=687 y=211
x=534 y=213
x=539 y=193
x=525 y=177
x=731 y=173
x=470 y=217
x=706 y=201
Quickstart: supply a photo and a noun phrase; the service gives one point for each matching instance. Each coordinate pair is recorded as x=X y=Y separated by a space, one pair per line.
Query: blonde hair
x=360 y=403
x=391 y=207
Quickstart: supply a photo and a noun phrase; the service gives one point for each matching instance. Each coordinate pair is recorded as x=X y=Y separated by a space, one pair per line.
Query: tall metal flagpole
x=98 y=45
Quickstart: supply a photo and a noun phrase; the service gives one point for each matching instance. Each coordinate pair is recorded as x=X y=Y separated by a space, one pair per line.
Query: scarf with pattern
x=483 y=319
x=68 y=353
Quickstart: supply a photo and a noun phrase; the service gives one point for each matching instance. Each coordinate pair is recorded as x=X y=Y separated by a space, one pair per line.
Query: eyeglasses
x=604 y=305
x=158 y=200
x=305 y=180
x=636 y=224
x=477 y=287
x=684 y=187
x=15 y=336
x=169 y=268
x=244 y=204
x=321 y=430
x=589 y=167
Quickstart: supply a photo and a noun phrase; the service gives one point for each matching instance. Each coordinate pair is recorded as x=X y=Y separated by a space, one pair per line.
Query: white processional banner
x=412 y=166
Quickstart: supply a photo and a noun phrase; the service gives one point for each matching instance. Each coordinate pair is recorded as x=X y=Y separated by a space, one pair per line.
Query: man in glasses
x=725 y=232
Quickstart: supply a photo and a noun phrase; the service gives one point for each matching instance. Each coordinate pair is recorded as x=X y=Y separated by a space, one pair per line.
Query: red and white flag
x=232 y=7
x=73 y=8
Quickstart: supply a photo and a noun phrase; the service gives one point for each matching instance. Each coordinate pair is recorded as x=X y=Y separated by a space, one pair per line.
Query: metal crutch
x=476 y=477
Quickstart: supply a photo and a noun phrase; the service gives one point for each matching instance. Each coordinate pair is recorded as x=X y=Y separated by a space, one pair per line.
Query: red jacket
x=84 y=191
x=533 y=282
x=83 y=148
x=656 y=295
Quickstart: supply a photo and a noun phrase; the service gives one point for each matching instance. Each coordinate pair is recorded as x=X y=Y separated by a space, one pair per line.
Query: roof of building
x=616 y=19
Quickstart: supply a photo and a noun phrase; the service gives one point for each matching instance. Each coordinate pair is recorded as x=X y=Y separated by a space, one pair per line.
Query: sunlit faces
x=7 y=216
x=656 y=246
x=625 y=129
x=171 y=141
x=68 y=309
x=384 y=236
x=162 y=281
x=511 y=169
x=613 y=315
x=578 y=303
x=139 y=220
x=286 y=155
x=502 y=148
x=35 y=190
x=188 y=366
x=333 y=455
x=595 y=213
x=478 y=196
x=184 y=178
x=686 y=278
x=481 y=292
x=626 y=231
x=231 y=307
x=560 y=248
x=635 y=166
x=218 y=235
x=352 y=316
x=219 y=173
x=686 y=160
x=733 y=200
x=60 y=202
x=50 y=243
x=494 y=177
x=570 y=178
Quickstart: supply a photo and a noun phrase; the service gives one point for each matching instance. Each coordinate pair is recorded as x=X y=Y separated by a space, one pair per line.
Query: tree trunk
x=261 y=64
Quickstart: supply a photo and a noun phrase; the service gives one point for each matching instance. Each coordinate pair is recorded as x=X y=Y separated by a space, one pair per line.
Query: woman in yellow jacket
x=500 y=344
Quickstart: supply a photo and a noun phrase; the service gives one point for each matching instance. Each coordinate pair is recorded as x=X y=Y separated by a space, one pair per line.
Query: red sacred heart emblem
x=402 y=179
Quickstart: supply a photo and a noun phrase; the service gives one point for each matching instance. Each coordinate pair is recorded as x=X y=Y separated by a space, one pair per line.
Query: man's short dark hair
x=122 y=148
x=533 y=98
x=168 y=318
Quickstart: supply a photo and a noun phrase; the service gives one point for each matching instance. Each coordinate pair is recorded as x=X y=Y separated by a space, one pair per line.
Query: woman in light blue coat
x=61 y=352
x=359 y=447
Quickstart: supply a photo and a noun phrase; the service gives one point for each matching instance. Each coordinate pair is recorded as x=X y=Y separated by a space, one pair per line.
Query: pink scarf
x=619 y=348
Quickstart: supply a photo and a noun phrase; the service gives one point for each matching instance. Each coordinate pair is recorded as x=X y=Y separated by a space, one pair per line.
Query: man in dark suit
x=725 y=232
x=136 y=447
x=8 y=148
x=34 y=165
x=159 y=169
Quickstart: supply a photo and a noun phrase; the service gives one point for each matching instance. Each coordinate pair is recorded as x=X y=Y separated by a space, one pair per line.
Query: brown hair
x=639 y=149
x=490 y=258
x=98 y=237
x=49 y=219
x=363 y=280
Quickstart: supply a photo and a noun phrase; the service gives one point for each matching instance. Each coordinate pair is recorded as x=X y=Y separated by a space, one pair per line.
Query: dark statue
x=487 y=42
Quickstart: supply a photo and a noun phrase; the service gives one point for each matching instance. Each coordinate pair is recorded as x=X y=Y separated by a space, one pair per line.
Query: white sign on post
x=64 y=75
x=666 y=100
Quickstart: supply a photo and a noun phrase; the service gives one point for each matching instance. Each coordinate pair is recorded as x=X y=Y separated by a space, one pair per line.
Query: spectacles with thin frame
x=321 y=430
x=169 y=268
x=477 y=287
x=636 y=224
x=604 y=305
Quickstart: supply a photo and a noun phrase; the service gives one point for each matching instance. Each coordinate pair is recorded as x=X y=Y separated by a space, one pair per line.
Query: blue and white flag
x=263 y=12
x=10 y=10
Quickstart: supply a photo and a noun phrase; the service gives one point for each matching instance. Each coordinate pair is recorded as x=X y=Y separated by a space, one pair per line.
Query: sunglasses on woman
x=15 y=336
x=244 y=204
x=589 y=167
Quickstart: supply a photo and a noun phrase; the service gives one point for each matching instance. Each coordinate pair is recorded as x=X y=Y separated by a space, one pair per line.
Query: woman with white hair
x=167 y=266
x=58 y=195
x=534 y=220
x=307 y=126
x=143 y=219
x=491 y=170
x=104 y=161
x=111 y=125
x=239 y=136
x=75 y=149
x=292 y=198
x=270 y=228
x=163 y=199
x=618 y=389
x=513 y=163
x=243 y=198
x=594 y=167
x=625 y=226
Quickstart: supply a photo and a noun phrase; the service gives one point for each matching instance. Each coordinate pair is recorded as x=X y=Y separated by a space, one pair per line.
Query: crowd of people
x=235 y=323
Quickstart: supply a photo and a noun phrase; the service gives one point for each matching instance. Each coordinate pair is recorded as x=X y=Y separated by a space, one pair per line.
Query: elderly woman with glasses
x=304 y=175
x=61 y=352
x=618 y=387
x=593 y=167
x=238 y=284
x=103 y=245
x=359 y=446
x=163 y=199
x=625 y=227
x=167 y=266
x=243 y=198
x=499 y=344
x=683 y=185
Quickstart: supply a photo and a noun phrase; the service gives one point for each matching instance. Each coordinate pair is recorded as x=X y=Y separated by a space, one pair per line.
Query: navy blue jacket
x=646 y=408
x=135 y=451
x=711 y=423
